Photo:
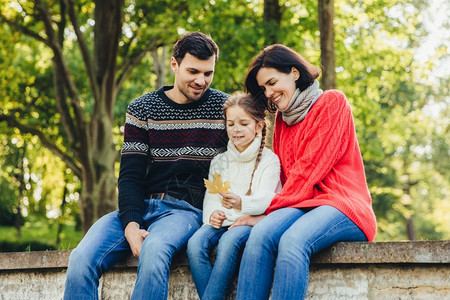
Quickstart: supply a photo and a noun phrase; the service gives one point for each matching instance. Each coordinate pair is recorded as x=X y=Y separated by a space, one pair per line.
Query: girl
x=253 y=172
x=325 y=198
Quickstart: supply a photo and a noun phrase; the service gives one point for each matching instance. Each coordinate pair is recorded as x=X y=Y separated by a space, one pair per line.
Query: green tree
x=388 y=91
x=67 y=74
x=327 y=52
x=79 y=98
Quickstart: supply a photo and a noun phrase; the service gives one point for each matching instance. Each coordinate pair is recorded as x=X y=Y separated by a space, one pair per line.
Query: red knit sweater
x=322 y=164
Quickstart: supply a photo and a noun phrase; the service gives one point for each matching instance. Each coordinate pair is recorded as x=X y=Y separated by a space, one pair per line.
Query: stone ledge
x=415 y=252
x=372 y=271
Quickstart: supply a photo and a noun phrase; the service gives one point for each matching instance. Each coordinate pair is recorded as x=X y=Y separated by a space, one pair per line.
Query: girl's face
x=278 y=87
x=241 y=127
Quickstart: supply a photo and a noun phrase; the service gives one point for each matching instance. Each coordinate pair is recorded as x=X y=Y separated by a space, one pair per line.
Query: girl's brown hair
x=257 y=110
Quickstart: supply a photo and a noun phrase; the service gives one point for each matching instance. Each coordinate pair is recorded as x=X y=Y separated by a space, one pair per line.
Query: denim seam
x=315 y=241
x=114 y=246
x=326 y=233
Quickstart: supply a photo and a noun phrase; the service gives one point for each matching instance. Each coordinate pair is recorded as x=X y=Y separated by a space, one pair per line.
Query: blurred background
x=69 y=68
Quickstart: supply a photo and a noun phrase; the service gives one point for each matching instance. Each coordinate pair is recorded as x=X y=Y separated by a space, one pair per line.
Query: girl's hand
x=247 y=220
x=216 y=219
x=231 y=200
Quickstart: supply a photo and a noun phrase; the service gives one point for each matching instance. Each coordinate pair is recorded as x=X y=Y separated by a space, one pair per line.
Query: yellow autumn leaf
x=217 y=185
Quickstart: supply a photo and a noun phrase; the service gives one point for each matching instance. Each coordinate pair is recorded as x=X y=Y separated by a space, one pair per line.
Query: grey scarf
x=301 y=103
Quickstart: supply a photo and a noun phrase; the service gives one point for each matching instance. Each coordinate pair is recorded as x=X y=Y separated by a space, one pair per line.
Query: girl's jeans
x=289 y=236
x=212 y=282
x=170 y=225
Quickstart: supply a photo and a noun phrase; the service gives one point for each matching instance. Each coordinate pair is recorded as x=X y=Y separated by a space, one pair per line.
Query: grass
x=39 y=233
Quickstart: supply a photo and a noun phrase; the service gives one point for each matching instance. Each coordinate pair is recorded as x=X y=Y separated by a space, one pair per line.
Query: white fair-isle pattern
x=136 y=147
x=192 y=151
x=192 y=125
x=133 y=121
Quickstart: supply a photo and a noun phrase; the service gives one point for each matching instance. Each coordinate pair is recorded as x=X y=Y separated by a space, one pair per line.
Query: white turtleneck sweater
x=237 y=167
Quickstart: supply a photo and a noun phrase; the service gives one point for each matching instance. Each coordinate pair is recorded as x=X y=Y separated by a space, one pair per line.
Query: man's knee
x=80 y=266
x=156 y=250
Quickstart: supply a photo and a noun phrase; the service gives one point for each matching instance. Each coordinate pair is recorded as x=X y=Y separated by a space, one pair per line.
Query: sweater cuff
x=130 y=216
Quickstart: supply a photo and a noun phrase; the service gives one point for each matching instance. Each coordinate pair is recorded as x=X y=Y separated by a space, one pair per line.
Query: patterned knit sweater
x=237 y=167
x=322 y=164
x=168 y=148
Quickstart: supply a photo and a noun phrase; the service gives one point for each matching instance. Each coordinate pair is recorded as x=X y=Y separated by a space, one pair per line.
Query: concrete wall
x=390 y=270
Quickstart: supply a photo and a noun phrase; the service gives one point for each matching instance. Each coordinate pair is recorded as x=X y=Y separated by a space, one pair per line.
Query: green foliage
x=401 y=117
x=387 y=90
x=39 y=234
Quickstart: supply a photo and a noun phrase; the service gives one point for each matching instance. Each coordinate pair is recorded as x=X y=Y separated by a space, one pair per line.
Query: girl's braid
x=258 y=158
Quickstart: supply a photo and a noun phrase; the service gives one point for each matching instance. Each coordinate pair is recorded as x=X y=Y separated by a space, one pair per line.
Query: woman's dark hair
x=283 y=59
x=198 y=44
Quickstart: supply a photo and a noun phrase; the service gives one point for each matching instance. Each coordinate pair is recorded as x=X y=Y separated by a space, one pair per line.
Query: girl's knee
x=228 y=247
x=196 y=249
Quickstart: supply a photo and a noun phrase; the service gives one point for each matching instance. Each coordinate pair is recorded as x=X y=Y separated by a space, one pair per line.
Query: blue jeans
x=212 y=282
x=170 y=225
x=289 y=237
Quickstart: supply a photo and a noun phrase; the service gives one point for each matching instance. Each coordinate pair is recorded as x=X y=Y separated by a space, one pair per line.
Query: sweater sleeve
x=133 y=170
x=264 y=186
x=315 y=155
x=211 y=202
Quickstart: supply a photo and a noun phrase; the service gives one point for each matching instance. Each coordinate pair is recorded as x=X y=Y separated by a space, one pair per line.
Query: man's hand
x=216 y=219
x=247 y=220
x=135 y=236
x=231 y=200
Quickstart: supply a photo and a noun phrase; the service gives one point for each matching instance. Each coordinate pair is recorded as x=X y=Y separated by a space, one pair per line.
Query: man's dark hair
x=197 y=44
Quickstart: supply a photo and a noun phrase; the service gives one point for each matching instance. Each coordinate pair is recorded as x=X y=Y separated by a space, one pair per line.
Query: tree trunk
x=159 y=60
x=20 y=177
x=98 y=156
x=94 y=148
x=326 y=16
x=271 y=20
x=410 y=228
x=98 y=196
x=61 y=217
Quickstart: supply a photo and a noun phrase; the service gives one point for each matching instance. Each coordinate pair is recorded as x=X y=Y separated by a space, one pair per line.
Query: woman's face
x=278 y=87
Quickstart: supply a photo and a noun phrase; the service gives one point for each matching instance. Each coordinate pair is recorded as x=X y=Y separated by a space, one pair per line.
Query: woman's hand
x=231 y=200
x=216 y=219
x=247 y=220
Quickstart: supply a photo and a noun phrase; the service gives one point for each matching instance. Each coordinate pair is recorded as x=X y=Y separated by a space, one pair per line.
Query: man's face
x=192 y=77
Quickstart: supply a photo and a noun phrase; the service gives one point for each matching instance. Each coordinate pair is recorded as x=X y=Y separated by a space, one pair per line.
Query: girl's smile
x=241 y=127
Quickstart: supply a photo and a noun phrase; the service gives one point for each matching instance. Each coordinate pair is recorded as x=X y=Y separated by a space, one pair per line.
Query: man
x=170 y=137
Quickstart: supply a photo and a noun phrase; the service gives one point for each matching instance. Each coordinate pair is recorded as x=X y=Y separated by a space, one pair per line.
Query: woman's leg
x=228 y=254
x=258 y=259
x=318 y=229
x=100 y=249
x=199 y=249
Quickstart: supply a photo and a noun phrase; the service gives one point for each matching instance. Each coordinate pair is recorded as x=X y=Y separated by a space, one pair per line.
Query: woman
x=324 y=199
